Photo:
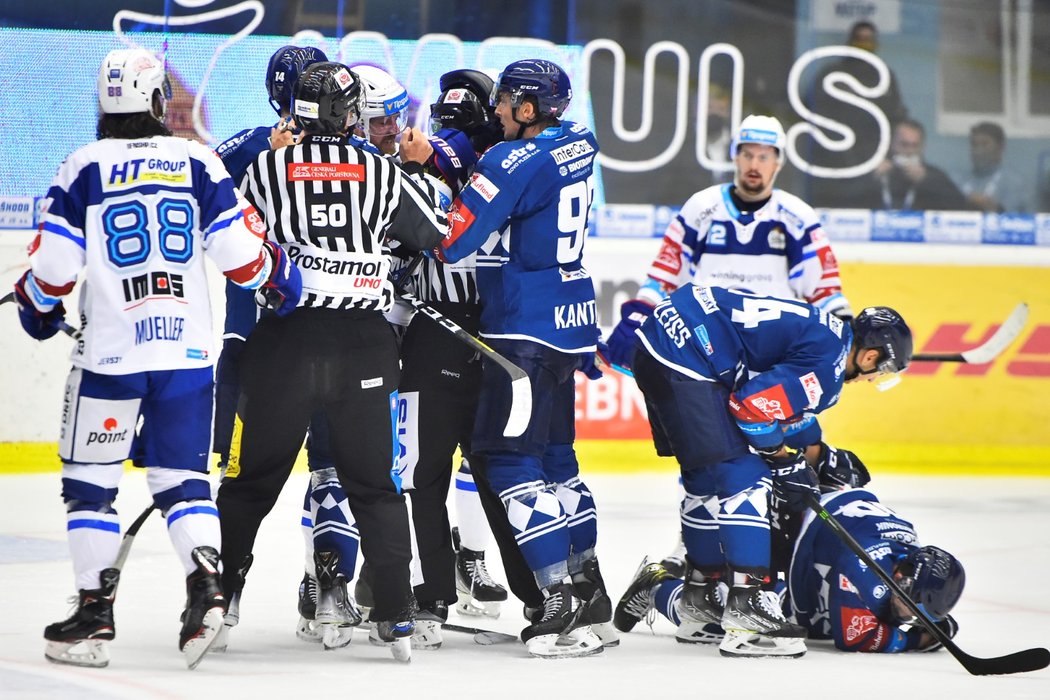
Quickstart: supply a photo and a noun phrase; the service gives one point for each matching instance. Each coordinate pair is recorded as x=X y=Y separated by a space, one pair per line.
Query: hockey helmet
x=385 y=100
x=284 y=69
x=464 y=102
x=934 y=579
x=329 y=99
x=883 y=329
x=543 y=80
x=763 y=130
x=128 y=81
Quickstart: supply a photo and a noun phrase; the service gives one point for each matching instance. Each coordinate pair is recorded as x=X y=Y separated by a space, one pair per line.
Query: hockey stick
x=988 y=351
x=483 y=637
x=520 y=386
x=1018 y=662
x=129 y=537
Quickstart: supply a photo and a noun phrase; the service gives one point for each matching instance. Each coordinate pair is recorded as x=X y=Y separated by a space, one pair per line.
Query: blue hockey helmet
x=934 y=579
x=883 y=329
x=543 y=80
x=329 y=99
x=284 y=69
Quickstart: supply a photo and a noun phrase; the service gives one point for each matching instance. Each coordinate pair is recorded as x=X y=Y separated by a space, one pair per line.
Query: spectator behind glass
x=905 y=180
x=989 y=186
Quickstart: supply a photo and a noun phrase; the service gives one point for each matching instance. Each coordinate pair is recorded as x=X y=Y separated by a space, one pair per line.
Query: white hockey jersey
x=140 y=214
x=778 y=250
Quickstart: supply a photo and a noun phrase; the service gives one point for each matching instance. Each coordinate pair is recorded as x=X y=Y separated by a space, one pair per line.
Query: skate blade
x=400 y=649
x=699 y=633
x=472 y=607
x=195 y=649
x=579 y=642
x=336 y=636
x=427 y=635
x=92 y=653
x=308 y=631
x=745 y=644
x=222 y=640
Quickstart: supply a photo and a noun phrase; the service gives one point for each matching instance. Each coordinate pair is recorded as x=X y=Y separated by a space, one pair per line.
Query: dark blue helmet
x=284 y=69
x=883 y=329
x=543 y=80
x=934 y=579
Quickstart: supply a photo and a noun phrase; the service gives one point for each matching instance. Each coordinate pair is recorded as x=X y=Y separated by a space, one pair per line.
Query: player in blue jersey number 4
x=722 y=372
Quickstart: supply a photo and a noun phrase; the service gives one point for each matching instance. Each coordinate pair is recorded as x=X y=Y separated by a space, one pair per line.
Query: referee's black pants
x=346 y=362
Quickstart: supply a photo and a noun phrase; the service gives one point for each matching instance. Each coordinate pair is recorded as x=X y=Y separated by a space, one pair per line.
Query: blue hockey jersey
x=525 y=211
x=833 y=594
x=783 y=359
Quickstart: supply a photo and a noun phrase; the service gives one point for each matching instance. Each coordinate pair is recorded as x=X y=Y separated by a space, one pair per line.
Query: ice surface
x=997 y=527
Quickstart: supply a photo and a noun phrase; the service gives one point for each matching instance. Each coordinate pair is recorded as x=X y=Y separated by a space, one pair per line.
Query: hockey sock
x=92 y=526
x=666 y=598
x=539 y=525
x=335 y=528
x=744 y=485
x=578 y=504
x=306 y=527
x=470 y=516
x=699 y=515
x=184 y=497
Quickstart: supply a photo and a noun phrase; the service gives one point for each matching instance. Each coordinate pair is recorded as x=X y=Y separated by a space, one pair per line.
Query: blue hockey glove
x=838 y=469
x=38 y=324
x=588 y=362
x=622 y=340
x=792 y=480
x=282 y=290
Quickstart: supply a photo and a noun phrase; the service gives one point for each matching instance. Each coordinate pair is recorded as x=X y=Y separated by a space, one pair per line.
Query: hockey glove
x=282 y=290
x=589 y=364
x=921 y=640
x=792 y=480
x=622 y=341
x=839 y=469
x=38 y=324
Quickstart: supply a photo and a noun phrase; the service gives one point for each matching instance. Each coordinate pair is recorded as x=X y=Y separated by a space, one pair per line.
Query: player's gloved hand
x=622 y=339
x=793 y=479
x=927 y=642
x=38 y=324
x=838 y=469
x=282 y=290
x=588 y=362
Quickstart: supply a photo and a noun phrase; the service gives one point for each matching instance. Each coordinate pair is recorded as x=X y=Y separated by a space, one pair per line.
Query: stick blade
x=1018 y=662
x=520 y=406
x=1001 y=339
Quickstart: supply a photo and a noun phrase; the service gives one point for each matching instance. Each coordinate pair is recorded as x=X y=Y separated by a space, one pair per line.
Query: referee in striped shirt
x=331 y=206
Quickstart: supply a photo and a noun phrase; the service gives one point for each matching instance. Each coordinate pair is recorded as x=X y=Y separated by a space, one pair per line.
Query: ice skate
x=598 y=609
x=202 y=620
x=427 y=634
x=477 y=593
x=675 y=562
x=558 y=631
x=700 y=609
x=307 y=628
x=335 y=613
x=397 y=636
x=233 y=608
x=756 y=626
x=81 y=640
x=637 y=601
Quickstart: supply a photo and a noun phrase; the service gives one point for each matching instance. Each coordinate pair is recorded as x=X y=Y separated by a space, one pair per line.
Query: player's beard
x=753 y=190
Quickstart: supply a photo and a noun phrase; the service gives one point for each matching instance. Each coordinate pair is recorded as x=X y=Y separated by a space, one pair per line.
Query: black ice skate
x=638 y=600
x=307 y=630
x=202 y=620
x=233 y=605
x=336 y=613
x=700 y=609
x=675 y=562
x=477 y=593
x=559 y=629
x=755 y=626
x=81 y=639
x=396 y=635
x=431 y=616
x=598 y=609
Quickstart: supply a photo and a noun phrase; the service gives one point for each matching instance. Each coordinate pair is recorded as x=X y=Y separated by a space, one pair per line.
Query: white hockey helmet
x=760 y=129
x=384 y=97
x=128 y=80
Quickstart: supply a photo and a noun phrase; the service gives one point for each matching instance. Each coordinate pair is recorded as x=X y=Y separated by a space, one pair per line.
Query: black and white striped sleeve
x=419 y=222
